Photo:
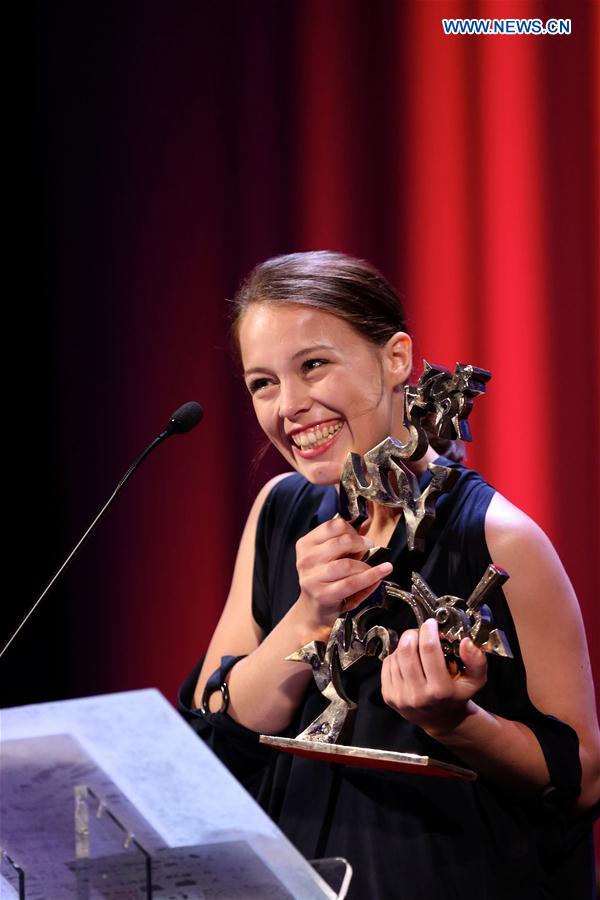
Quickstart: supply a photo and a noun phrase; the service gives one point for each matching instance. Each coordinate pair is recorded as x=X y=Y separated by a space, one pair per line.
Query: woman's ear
x=398 y=355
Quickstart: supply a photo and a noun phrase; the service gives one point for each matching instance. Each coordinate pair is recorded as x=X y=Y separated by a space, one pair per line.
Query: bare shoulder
x=268 y=487
x=237 y=633
x=505 y=523
x=540 y=595
x=245 y=558
x=259 y=502
x=513 y=537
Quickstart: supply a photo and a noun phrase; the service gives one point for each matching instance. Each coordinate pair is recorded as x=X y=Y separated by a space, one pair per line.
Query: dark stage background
x=165 y=148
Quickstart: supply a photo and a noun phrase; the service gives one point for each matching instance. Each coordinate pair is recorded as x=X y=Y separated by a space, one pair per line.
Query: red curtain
x=183 y=143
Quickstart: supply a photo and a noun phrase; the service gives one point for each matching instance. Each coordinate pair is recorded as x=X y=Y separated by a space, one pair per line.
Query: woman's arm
x=264 y=688
x=546 y=614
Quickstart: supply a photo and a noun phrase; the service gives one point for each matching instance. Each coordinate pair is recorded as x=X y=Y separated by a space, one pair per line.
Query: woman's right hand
x=331 y=573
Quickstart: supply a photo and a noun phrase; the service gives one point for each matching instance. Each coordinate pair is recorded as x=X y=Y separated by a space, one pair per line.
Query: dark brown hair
x=351 y=289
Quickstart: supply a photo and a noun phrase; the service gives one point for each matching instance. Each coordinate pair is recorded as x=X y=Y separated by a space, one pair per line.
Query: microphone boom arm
x=185 y=418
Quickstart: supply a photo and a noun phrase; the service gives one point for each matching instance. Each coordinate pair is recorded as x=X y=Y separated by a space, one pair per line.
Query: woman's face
x=319 y=388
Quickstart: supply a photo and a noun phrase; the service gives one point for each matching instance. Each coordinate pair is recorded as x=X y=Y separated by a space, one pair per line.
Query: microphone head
x=185 y=418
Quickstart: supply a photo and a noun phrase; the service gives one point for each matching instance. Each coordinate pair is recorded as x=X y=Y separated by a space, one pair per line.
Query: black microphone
x=183 y=420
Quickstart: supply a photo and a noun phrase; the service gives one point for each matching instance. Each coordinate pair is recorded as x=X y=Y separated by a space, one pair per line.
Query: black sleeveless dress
x=408 y=836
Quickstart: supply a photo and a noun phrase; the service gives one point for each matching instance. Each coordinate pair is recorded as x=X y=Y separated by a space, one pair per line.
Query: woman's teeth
x=316 y=436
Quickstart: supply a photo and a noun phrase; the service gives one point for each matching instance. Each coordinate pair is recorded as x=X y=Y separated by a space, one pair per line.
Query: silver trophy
x=438 y=405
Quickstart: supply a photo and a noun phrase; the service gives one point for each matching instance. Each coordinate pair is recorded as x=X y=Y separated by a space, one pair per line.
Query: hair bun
x=454 y=450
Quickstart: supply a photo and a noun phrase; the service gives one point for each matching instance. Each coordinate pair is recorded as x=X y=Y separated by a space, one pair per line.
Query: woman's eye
x=257 y=384
x=309 y=364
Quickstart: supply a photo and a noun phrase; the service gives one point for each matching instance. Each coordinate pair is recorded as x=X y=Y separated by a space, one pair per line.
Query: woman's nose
x=294 y=398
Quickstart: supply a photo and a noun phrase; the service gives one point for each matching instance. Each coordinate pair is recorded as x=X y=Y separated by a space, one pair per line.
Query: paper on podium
x=161 y=781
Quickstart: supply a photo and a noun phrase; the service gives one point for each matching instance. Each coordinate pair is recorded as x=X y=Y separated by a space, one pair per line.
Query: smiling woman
x=322 y=341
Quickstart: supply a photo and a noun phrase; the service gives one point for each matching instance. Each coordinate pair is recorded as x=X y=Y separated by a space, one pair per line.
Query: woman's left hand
x=415 y=680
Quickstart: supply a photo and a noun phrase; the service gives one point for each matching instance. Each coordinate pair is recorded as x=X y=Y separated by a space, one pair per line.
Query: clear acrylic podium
x=116 y=798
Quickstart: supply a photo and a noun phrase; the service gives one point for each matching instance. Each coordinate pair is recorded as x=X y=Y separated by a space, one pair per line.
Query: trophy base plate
x=369 y=758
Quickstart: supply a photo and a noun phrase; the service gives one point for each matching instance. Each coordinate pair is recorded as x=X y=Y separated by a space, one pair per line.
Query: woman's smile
x=313 y=440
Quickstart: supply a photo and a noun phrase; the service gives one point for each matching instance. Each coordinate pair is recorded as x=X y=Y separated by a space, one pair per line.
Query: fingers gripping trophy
x=438 y=405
